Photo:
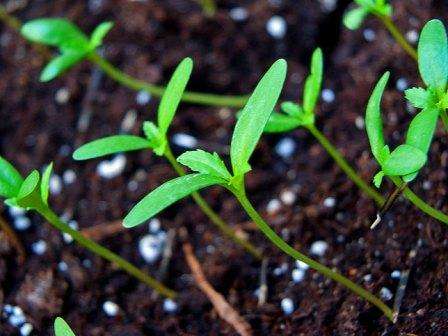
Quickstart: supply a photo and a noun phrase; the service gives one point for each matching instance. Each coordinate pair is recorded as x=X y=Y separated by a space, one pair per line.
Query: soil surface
x=39 y=125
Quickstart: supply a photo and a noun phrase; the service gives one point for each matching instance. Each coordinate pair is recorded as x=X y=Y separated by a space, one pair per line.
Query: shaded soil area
x=39 y=124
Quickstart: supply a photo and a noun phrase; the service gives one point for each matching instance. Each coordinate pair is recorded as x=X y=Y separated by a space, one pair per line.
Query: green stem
x=213 y=216
x=190 y=97
x=282 y=245
x=419 y=203
x=398 y=36
x=54 y=220
x=343 y=164
x=444 y=117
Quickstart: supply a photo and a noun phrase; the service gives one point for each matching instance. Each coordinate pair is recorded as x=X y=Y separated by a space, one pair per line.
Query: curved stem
x=324 y=270
x=190 y=97
x=444 y=117
x=398 y=36
x=344 y=165
x=212 y=215
x=419 y=203
x=54 y=220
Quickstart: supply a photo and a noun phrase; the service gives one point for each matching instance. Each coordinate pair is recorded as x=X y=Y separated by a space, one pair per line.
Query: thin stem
x=344 y=165
x=54 y=220
x=212 y=215
x=398 y=36
x=444 y=117
x=419 y=203
x=281 y=244
x=190 y=97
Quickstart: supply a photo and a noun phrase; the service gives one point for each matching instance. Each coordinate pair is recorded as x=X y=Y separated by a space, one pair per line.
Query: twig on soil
x=15 y=241
x=102 y=231
x=223 y=308
x=263 y=290
x=166 y=258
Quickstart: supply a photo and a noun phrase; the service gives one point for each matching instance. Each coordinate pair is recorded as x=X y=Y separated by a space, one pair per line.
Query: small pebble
x=129 y=121
x=69 y=176
x=87 y=263
x=62 y=96
x=285 y=148
x=319 y=248
x=132 y=185
x=110 y=308
x=402 y=84
x=328 y=5
x=412 y=36
x=301 y=265
x=288 y=197
x=68 y=238
x=239 y=14
x=287 y=306
x=22 y=223
x=185 y=140
x=39 y=247
x=273 y=206
x=16 y=316
x=55 y=184
x=395 y=274
x=276 y=27
x=369 y=35
x=328 y=95
x=112 y=168
x=150 y=248
x=281 y=269
x=169 y=306
x=386 y=294
x=154 y=225
x=298 y=274
x=427 y=185
x=367 y=277
x=95 y=5
x=62 y=266
x=329 y=202
x=359 y=122
x=143 y=97
x=26 y=329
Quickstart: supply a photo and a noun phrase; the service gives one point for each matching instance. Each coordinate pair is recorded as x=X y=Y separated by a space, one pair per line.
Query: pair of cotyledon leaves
x=72 y=43
x=210 y=168
x=407 y=159
x=23 y=192
x=355 y=17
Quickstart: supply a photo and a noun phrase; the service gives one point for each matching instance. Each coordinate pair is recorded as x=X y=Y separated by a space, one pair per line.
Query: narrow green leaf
x=418 y=97
x=99 y=33
x=433 y=55
x=422 y=128
x=365 y=3
x=205 y=163
x=404 y=160
x=61 y=328
x=167 y=194
x=45 y=183
x=173 y=94
x=254 y=117
x=56 y=32
x=10 y=179
x=313 y=82
x=374 y=124
x=354 y=18
x=110 y=145
x=378 y=178
x=292 y=109
x=60 y=64
x=157 y=141
x=29 y=185
x=279 y=123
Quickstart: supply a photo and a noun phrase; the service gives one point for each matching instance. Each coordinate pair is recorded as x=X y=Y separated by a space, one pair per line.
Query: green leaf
x=10 y=179
x=157 y=141
x=45 y=183
x=313 y=82
x=433 y=55
x=99 y=33
x=167 y=194
x=279 y=123
x=292 y=109
x=404 y=160
x=205 y=163
x=61 y=328
x=29 y=185
x=110 y=145
x=422 y=128
x=374 y=124
x=418 y=97
x=365 y=3
x=56 y=32
x=354 y=18
x=173 y=94
x=378 y=178
x=254 y=117
x=60 y=64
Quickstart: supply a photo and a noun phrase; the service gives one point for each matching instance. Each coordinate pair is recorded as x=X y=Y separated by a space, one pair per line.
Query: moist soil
x=148 y=41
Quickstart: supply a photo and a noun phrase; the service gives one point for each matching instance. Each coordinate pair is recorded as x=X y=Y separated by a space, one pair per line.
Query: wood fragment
x=102 y=231
x=263 y=290
x=223 y=308
x=15 y=241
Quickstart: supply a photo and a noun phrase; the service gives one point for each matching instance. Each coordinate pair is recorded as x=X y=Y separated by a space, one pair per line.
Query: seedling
x=157 y=140
x=208 y=7
x=209 y=169
x=32 y=193
x=61 y=328
x=75 y=46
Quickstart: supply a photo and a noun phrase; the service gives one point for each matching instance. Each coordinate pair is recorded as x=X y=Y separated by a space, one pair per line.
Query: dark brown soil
x=149 y=39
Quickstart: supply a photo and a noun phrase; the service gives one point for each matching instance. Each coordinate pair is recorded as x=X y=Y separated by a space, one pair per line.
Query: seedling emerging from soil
x=211 y=170
x=157 y=140
x=61 y=328
x=32 y=193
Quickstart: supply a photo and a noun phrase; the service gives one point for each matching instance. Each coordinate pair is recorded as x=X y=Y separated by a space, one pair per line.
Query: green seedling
x=75 y=46
x=209 y=170
x=61 y=328
x=31 y=193
x=157 y=141
x=208 y=7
